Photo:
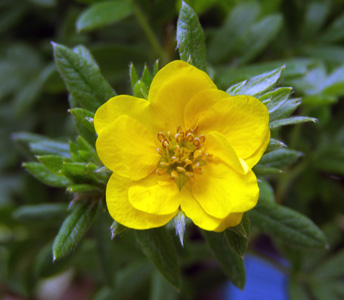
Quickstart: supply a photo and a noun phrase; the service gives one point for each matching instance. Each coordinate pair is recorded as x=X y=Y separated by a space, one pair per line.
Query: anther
x=195 y=165
x=160 y=171
x=181 y=169
x=196 y=142
x=178 y=137
x=165 y=143
x=202 y=138
x=189 y=137
x=187 y=161
x=169 y=136
x=160 y=151
x=189 y=131
x=189 y=174
x=174 y=174
x=161 y=137
x=174 y=159
x=179 y=129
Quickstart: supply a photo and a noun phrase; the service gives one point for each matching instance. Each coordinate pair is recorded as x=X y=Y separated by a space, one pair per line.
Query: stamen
x=202 y=138
x=178 y=137
x=187 y=161
x=174 y=174
x=189 y=137
x=161 y=137
x=197 y=154
x=174 y=159
x=181 y=169
x=196 y=142
x=164 y=164
x=199 y=171
x=165 y=143
x=160 y=171
x=160 y=151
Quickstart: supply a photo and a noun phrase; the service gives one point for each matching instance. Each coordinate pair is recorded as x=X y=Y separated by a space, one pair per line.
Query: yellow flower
x=190 y=147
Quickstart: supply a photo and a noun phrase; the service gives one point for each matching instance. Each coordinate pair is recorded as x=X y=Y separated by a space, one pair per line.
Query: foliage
x=282 y=51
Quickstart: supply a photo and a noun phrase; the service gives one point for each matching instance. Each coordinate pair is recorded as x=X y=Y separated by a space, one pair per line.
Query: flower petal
x=220 y=190
x=173 y=87
x=201 y=103
x=217 y=145
x=155 y=195
x=136 y=108
x=124 y=213
x=195 y=212
x=231 y=220
x=244 y=120
x=127 y=148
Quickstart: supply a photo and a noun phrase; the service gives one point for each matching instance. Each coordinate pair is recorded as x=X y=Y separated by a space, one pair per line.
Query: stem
x=149 y=33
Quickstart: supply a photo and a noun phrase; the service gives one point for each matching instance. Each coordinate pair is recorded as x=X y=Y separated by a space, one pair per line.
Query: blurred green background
x=243 y=38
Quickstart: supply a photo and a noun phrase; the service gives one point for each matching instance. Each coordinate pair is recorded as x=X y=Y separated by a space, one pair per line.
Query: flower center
x=182 y=155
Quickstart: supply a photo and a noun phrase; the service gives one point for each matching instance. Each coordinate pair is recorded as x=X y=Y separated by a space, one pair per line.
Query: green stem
x=149 y=33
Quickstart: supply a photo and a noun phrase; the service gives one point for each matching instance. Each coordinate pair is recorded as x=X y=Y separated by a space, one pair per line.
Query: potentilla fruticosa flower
x=189 y=147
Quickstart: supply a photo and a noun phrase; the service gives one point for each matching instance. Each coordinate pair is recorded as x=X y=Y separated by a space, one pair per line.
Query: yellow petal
x=155 y=195
x=124 y=213
x=217 y=145
x=173 y=87
x=136 y=108
x=201 y=103
x=127 y=148
x=220 y=190
x=244 y=120
x=232 y=220
x=195 y=212
x=255 y=157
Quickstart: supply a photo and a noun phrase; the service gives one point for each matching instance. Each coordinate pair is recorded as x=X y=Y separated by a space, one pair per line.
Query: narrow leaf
x=331 y=268
x=53 y=162
x=261 y=83
x=287 y=225
x=286 y=109
x=133 y=76
x=276 y=97
x=291 y=121
x=83 y=188
x=40 y=213
x=44 y=175
x=102 y=14
x=260 y=170
x=274 y=145
x=73 y=230
x=190 y=37
x=280 y=158
x=83 y=79
x=116 y=229
x=157 y=245
x=232 y=264
x=84 y=117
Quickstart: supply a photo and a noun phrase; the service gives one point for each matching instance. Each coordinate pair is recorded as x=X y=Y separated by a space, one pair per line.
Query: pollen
x=182 y=155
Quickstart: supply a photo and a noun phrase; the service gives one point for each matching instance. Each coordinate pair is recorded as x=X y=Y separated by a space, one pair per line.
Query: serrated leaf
x=83 y=80
x=291 y=121
x=44 y=175
x=237 y=237
x=331 y=268
x=287 y=225
x=280 y=158
x=261 y=83
x=40 y=213
x=102 y=14
x=157 y=245
x=190 y=38
x=276 y=98
x=53 y=162
x=73 y=230
x=274 y=145
x=231 y=263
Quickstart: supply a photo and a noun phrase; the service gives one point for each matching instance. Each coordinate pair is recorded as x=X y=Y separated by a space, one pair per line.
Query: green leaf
x=296 y=291
x=190 y=38
x=73 y=230
x=157 y=245
x=160 y=289
x=266 y=191
x=116 y=229
x=102 y=14
x=259 y=84
x=331 y=268
x=86 y=54
x=274 y=145
x=231 y=263
x=40 y=213
x=141 y=90
x=260 y=170
x=83 y=79
x=285 y=109
x=53 y=162
x=44 y=175
x=146 y=76
x=83 y=188
x=237 y=237
x=287 y=225
x=133 y=76
x=276 y=98
x=291 y=121
x=280 y=158
x=84 y=117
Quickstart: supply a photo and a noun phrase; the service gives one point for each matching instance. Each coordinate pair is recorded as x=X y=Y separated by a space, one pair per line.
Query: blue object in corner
x=263 y=282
